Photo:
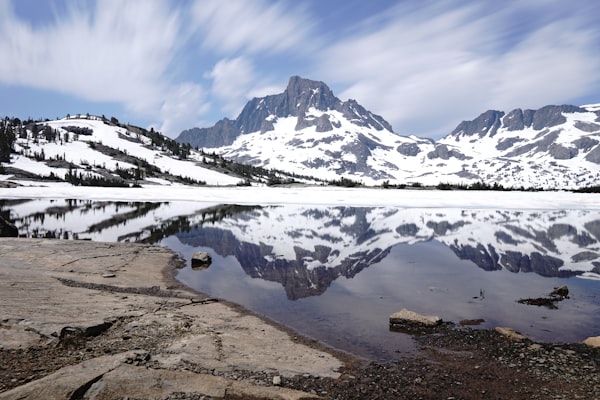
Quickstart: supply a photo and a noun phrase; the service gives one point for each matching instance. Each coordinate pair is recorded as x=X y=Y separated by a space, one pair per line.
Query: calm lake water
x=337 y=273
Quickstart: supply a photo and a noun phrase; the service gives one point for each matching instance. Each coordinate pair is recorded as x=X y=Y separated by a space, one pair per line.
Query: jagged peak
x=518 y=119
x=298 y=85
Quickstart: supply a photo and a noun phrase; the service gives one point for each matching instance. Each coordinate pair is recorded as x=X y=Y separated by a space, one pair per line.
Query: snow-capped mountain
x=553 y=147
x=93 y=150
x=308 y=131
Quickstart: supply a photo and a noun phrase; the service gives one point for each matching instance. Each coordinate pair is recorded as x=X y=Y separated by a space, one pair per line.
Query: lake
x=336 y=273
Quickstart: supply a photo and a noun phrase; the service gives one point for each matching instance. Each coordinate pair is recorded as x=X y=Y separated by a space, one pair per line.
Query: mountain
x=300 y=96
x=554 y=146
x=308 y=131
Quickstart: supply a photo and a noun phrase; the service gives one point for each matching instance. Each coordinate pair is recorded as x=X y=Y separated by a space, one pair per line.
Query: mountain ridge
x=296 y=100
x=307 y=130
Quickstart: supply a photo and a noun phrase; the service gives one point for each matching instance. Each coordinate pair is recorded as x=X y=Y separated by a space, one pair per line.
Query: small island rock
x=562 y=291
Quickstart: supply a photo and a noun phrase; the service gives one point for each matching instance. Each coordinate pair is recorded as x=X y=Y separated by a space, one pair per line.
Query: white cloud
x=112 y=53
x=431 y=66
x=251 y=26
x=232 y=79
x=183 y=108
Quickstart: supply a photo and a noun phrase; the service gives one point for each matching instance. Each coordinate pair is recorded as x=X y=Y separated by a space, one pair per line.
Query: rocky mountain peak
x=300 y=96
x=488 y=123
x=303 y=94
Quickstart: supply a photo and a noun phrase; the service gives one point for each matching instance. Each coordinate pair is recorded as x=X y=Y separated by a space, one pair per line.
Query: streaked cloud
x=423 y=66
x=431 y=66
x=251 y=26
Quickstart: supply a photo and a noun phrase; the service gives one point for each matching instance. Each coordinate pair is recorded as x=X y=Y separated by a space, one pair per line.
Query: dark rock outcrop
x=7 y=228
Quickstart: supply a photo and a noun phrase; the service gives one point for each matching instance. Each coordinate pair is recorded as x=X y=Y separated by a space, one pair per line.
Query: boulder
x=7 y=228
x=562 y=291
x=411 y=318
x=593 y=341
x=510 y=334
x=201 y=260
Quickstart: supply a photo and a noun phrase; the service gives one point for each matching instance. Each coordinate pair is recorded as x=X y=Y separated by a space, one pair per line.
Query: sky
x=423 y=65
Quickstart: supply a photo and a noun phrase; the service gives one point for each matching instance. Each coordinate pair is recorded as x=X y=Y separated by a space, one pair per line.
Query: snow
x=79 y=152
x=592 y=107
x=317 y=195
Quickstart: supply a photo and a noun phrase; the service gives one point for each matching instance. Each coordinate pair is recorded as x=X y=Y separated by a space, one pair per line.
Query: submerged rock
x=8 y=229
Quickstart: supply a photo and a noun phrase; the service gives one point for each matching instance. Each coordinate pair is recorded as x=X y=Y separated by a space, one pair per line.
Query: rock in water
x=8 y=229
x=562 y=291
x=407 y=318
x=201 y=260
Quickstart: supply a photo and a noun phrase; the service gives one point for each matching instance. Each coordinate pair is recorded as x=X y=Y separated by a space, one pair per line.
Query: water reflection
x=337 y=273
x=306 y=248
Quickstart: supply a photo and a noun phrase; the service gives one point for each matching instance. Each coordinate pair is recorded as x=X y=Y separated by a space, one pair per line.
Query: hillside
x=95 y=151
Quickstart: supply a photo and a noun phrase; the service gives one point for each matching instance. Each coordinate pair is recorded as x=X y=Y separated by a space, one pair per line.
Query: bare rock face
x=53 y=296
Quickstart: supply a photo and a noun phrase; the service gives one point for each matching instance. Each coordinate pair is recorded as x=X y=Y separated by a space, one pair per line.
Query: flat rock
x=112 y=377
x=405 y=316
x=50 y=288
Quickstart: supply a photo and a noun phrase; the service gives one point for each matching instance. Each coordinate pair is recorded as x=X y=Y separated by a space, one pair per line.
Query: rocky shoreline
x=84 y=320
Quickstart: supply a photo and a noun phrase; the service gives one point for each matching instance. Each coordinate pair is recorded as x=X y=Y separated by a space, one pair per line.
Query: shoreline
x=318 y=196
x=87 y=316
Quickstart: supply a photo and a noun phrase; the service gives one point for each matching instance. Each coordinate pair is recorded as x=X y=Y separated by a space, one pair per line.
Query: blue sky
x=422 y=65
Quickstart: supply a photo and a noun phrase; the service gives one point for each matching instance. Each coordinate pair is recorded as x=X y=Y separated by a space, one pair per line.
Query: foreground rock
x=412 y=322
x=593 y=341
x=56 y=303
x=510 y=333
x=67 y=332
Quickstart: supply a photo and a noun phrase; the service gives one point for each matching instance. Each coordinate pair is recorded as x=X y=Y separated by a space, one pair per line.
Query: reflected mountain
x=306 y=248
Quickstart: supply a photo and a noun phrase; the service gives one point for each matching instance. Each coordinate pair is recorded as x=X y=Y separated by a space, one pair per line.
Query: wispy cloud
x=231 y=80
x=114 y=52
x=423 y=65
x=252 y=26
x=130 y=53
x=428 y=65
